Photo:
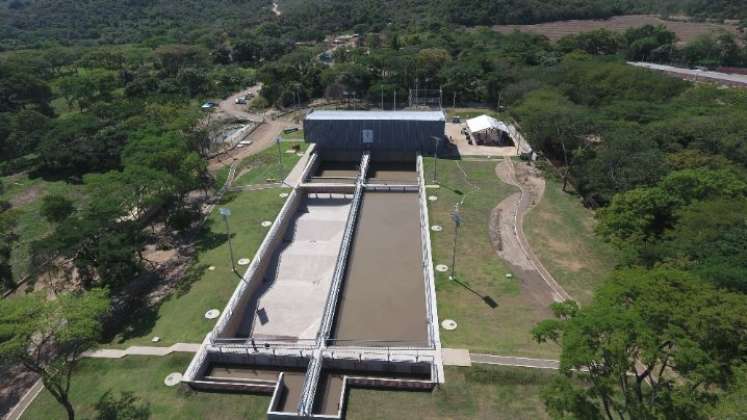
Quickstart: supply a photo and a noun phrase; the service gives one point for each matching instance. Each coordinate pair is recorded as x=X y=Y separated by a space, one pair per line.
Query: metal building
x=381 y=132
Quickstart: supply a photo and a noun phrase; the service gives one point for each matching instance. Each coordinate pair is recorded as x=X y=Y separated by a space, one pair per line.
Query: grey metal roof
x=377 y=115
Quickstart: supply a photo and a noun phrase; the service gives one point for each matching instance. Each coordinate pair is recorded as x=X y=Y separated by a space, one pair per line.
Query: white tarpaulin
x=485 y=123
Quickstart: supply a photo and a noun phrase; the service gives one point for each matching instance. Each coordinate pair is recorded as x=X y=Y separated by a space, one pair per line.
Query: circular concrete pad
x=442 y=268
x=432 y=198
x=244 y=261
x=155 y=339
x=212 y=314
x=283 y=195
x=449 y=324
x=509 y=276
x=173 y=379
x=211 y=268
x=437 y=228
x=266 y=223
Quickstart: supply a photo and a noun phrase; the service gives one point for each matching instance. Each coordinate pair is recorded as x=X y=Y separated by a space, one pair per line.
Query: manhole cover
x=211 y=268
x=283 y=195
x=266 y=223
x=212 y=314
x=155 y=339
x=509 y=276
x=432 y=198
x=449 y=324
x=173 y=379
x=244 y=261
x=437 y=228
x=442 y=268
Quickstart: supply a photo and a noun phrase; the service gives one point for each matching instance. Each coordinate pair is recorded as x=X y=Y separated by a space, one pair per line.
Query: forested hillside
x=42 y=22
x=39 y=22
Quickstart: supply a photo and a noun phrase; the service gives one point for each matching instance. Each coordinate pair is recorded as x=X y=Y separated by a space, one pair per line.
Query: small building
x=382 y=132
x=486 y=130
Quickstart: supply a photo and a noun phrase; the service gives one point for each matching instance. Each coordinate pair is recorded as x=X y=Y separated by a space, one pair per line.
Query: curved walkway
x=521 y=208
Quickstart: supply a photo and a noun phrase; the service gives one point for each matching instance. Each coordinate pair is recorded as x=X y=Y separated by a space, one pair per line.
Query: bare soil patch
x=27 y=196
x=686 y=31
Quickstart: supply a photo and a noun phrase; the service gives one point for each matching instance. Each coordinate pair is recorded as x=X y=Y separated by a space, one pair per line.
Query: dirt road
x=262 y=138
x=229 y=108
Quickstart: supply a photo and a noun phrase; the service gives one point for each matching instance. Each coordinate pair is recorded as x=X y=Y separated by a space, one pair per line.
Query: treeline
x=121 y=121
x=40 y=23
x=337 y=15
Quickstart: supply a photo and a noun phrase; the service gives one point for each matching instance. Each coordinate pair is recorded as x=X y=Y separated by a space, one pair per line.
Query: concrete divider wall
x=228 y=324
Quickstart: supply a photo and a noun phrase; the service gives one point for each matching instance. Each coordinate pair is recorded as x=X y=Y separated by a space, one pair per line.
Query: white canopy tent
x=487 y=130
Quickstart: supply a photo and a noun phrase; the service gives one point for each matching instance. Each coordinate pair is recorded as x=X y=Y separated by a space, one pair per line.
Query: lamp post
x=225 y=212
x=457 y=218
x=280 y=152
x=435 y=159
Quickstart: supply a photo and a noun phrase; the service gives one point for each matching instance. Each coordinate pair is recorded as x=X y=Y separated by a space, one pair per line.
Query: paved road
x=732 y=79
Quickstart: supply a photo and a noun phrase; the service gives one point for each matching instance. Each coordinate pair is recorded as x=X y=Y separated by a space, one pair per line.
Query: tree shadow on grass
x=208 y=240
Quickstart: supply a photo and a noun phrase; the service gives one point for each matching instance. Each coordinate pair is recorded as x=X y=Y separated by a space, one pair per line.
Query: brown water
x=243 y=372
x=383 y=297
x=328 y=394
x=337 y=172
x=330 y=386
x=392 y=173
x=290 y=395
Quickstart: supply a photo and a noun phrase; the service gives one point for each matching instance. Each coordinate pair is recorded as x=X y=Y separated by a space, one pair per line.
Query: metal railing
x=427 y=263
x=258 y=259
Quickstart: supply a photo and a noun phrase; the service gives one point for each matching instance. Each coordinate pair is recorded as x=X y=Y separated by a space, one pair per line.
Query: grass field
x=25 y=194
x=561 y=232
x=264 y=166
x=144 y=377
x=506 y=328
x=180 y=318
x=478 y=392
x=469 y=393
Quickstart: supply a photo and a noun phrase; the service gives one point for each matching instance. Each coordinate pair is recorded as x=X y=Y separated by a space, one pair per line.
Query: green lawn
x=180 y=318
x=144 y=377
x=469 y=393
x=26 y=195
x=265 y=165
x=561 y=232
x=477 y=392
x=506 y=328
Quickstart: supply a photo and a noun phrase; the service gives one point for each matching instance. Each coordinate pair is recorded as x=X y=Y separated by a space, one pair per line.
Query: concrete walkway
x=294 y=177
x=463 y=358
x=143 y=351
x=25 y=402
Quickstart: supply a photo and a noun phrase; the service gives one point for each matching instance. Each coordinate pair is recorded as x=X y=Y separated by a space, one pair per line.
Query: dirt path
x=229 y=108
x=262 y=138
x=509 y=240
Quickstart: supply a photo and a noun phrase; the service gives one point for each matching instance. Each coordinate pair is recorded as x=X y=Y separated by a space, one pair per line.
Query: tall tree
x=48 y=337
x=653 y=344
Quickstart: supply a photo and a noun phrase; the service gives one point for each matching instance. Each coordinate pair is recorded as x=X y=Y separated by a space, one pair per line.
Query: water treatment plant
x=341 y=292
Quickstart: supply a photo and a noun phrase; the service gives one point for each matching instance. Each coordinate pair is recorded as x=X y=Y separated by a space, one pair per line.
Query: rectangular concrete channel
x=392 y=173
x=383 y=293
x=291 y=300
x=337 y=172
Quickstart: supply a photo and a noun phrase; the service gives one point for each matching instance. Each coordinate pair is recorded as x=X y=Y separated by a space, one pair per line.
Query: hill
x=30 y=22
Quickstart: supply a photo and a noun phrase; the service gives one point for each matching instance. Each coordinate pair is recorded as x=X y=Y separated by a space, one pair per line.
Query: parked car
x=209 y=105
x=290 y=130
x=241 y=100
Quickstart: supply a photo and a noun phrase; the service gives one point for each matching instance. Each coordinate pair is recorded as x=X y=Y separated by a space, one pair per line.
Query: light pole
x=280 y=153
x=225 y=212
x=435 y=160
x=457 y=218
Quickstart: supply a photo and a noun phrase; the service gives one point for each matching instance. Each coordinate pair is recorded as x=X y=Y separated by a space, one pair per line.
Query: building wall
x=389 y=136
